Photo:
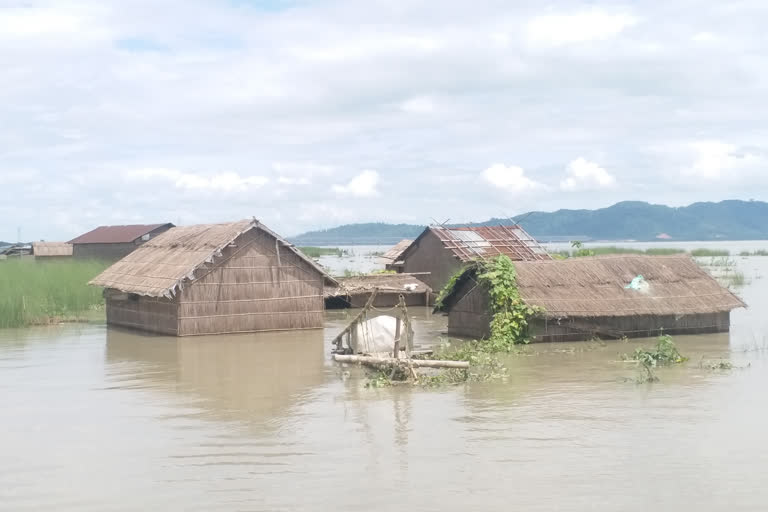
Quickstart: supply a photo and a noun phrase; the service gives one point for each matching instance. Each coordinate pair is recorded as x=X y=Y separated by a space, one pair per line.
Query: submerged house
x=354 y=292
x=604 y=296
x=51 y=250
x=110 y=243
x=215 y=279
x=391 y=258
x=443 y=251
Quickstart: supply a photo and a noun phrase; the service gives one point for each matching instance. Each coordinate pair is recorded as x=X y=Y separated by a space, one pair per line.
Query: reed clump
x=33 y=292
x=316 y=252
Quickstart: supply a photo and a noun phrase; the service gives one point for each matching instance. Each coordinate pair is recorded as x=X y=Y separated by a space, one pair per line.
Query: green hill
x=629 y=220
x=372 y=233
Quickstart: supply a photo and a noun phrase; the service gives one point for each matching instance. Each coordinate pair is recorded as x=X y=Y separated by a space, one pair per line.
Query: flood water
x=99 y=419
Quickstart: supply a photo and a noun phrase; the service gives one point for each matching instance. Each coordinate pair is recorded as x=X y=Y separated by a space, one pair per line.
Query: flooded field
x=98 y=419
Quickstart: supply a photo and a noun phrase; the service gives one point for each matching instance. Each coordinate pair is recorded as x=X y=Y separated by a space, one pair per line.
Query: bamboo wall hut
x=110 y=243
x=605 y=296
x=354 y=292
x=51 y=250
x=443 y=251
x=215 y=279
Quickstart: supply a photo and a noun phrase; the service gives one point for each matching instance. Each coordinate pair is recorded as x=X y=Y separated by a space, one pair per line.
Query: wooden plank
x=389 y=361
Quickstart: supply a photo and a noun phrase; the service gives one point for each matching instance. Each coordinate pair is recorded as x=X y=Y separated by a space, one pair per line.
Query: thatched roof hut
x=51 y=250
x=442 y=251
x=214 y=279
x=605 y=296
x=354 y=292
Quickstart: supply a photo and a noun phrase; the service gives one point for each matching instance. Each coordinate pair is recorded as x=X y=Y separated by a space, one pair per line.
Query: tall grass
x=759 y=252
x=664 y=251
x=316 y=252
x=706 y=253
x=33 y=292
x=600 y=251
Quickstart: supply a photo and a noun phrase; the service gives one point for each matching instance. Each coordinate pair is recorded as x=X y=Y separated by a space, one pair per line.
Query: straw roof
x=164 y=264
x=598 y=286
x=394 y=253
x=357 y=285
x=49 y=249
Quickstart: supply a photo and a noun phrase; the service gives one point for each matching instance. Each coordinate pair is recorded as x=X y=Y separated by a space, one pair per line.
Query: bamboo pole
x=337 y=341
x=396 y=351
x=389 y=361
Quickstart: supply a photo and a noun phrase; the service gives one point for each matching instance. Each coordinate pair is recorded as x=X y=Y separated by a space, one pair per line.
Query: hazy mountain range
x=630 y=220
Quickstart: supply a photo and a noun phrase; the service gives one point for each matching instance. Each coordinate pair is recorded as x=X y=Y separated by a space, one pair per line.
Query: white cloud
x=222 y=182
x=362 y=185
x=418 y=105
x=285 y=180
x=715 y=160
x=581 y=174
x=510 y=178
x=705 y=37
x=42 y=26
x=327 y=89
x=560 y=29
x=300 y=173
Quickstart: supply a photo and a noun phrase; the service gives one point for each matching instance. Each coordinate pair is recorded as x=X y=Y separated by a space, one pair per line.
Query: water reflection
x=251 y=377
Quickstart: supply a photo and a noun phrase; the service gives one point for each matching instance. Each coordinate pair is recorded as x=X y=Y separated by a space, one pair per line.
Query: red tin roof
x=117 y=234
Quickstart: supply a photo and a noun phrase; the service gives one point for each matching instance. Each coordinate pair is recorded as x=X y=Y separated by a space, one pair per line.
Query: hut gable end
x=221 y=278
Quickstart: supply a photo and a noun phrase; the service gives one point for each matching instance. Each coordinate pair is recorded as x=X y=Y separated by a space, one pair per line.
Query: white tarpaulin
x=376 y=336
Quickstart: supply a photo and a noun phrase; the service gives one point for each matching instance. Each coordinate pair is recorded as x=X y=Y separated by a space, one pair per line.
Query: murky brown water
x=96 y=419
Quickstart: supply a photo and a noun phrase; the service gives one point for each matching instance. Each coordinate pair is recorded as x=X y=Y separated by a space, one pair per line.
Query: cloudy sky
x=308 y=114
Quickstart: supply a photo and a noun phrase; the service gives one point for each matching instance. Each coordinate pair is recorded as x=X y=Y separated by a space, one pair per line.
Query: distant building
x=604 y=296
x=215 y=279
x=51 y=250
x=17 y=251
x=391 y=258
x=443 y=251
x=111 y=243
x=663 y=236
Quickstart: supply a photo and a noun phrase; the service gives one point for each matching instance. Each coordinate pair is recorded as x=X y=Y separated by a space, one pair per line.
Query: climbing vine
x=451 y=285
x=511 y=315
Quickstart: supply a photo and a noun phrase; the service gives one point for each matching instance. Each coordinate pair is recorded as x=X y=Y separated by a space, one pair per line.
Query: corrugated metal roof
x=117 y=234
x=471 y=243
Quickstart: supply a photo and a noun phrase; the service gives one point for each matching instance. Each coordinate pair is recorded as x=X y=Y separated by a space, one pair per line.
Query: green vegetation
x=316 y=252
x=664 y=251
x=760 y=252
x=509 y=324
x=39 y=293
x=665 y=353
x=581 y=251
x=716 y=365
x=735 y=279
x=450 y=285
x=707 y=253
x=483 y=366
